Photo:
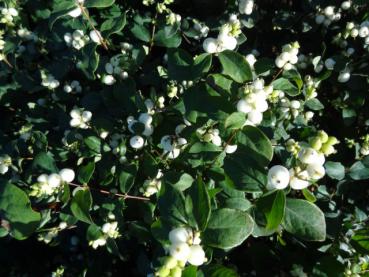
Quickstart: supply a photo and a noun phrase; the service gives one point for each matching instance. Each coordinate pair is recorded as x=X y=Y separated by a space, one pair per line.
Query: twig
x=276 y=75
x=228 y=142
x=124 y=196
x=102 y=41
x=231 y=138
x=186 y=39
x=7 y=62
x=153 y=32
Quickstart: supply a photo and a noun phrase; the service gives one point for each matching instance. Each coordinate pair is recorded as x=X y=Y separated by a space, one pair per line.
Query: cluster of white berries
x=288 y=57
x=361 y=30
x=298 y=177
x=113 y=68
x=77 y=39
x=52 y=233
x=118 y=145
x=226 y=39
x=246 y=6
x=201 y=29
x=152 y=186
x=50 y=184
x=73 y=87
x=328 y=15
x=8 y=15
x=172 y=145
x=80 y=118
x=49 y=81
x=290 y=107
x=185 y=248
x=310 y=88
x=109 y=230
x=254 y=103
x=140 y=126
x=5 y=163
x=173 y=18
x=364 y=147
x=310 y=161
x=210 y=135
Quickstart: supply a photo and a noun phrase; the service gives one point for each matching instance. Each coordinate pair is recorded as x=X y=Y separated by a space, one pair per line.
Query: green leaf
x=295 y=76
x=235 y=66
x=93 y=143
x=113 y=25
x=93 y=232
x=161 y=38
x=244 y=171
x=286 y=86
x=305 y=220
x=309 y=196
x=15 y=207
x=181 y=66
x=227 y=228
x=349 y=116
x=171 y=205
x=124 y=95
x=264 y=66
x=127 y=178
x=44 y=162
x=189 y=271
x=335 y=170
x=359 y=170
x=85 y=172
x=201 y=65
x=314 y=104
x=273 y=206
x=237 y=203
x=361 y=240
x=235 y=121
x=257 y=143
x=199 y=147
x=89 y=60
x=218 y=270
x=98 y=3
x=206 y=102
x=177 y=180
x=246 y=167
x=201 y=203
x=81 y=204
x=60 y=11
x=141 y=32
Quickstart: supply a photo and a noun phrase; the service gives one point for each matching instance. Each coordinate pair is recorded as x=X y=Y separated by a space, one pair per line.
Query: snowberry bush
x=184 y=138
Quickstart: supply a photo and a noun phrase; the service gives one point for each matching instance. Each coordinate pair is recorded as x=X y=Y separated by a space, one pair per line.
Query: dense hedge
x=184 y=138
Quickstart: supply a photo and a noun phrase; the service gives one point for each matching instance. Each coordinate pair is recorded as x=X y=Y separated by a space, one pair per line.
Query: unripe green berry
x=176 y=272
x=323 y=136
x=163 y=272
x=316 y=143
x=170 y=263
x=332 y=141
x=208 y=137
x=327 y=149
